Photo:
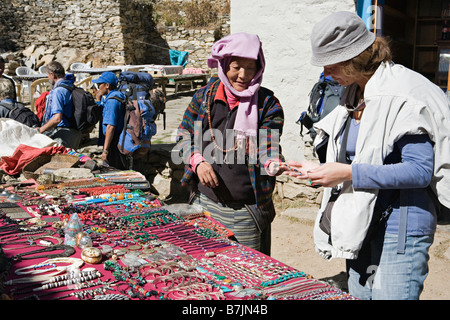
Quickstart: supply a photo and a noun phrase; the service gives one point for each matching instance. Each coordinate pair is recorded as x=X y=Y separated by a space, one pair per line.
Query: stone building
x=109 y=32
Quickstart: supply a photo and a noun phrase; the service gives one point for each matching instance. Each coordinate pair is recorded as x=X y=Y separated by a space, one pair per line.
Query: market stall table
x=161 y=81
x=162 y=70
x=190 y=79
x=100 y=240
x=94 y=71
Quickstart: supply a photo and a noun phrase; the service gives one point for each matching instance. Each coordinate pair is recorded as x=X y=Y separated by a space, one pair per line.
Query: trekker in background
x=12 y=109
x=56 y=121
x=2 y=76
x=111 y=100
x=7 y=92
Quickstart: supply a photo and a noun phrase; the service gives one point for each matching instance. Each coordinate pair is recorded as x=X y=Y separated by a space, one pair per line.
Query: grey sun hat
x=339 y=37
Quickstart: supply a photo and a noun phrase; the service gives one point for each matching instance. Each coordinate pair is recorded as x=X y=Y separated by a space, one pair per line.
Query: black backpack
x=86 y=112
x=323 y=98
x=22 y=114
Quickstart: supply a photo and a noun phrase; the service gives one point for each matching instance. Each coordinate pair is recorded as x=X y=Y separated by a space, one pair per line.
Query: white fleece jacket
x=398 y=101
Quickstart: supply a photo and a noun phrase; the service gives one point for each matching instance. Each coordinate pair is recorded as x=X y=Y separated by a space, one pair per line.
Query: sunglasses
x=96 y=86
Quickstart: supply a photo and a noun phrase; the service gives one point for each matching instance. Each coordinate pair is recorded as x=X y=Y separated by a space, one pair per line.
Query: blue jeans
x=380 y=273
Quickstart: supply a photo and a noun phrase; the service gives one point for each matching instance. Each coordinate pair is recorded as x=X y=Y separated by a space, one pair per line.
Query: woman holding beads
x=231 y=171
x=394 y=161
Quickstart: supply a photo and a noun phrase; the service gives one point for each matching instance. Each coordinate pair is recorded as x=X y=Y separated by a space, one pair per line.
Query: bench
x=191 y=79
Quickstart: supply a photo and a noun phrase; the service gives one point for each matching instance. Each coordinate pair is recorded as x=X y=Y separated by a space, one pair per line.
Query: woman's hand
x=276 y=168
x=206 y=175
x=327 y=175
x=300 y=169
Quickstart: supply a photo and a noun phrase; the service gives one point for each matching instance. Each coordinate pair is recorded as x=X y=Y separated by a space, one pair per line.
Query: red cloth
x=24 y=154
x=39 y=104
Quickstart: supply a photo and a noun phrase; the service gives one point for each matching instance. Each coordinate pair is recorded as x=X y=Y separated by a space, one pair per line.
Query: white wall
x=284 y=28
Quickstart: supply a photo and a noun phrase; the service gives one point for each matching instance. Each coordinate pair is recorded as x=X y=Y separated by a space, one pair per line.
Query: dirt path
x=292 y=243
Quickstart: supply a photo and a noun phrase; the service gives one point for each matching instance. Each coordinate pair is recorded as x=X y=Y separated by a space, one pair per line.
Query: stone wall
x=82 y=25
x=163 y=174
x=109 y=32
x=197 y=42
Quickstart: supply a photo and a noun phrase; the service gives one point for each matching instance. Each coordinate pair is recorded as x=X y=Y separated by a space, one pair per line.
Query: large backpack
x=139 y=115
x=22 y=114
x=86 y=112
x=139 y=85
x=323 y=98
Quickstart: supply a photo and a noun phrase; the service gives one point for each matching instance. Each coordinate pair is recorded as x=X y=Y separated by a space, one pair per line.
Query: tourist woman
x=393 y=162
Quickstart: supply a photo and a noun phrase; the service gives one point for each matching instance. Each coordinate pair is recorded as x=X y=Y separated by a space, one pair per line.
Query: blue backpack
x=139 y=114
x=323 y=98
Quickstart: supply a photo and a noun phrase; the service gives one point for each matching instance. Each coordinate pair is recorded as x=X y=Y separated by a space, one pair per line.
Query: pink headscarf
x=242 y=45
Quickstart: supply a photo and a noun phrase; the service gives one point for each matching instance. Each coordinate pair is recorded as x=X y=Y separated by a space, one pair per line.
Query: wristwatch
x=105 y=151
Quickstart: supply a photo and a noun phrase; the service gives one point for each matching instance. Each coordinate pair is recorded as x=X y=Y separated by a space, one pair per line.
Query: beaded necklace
x=69 y=281
x=207 y=104
x=68 y=251
x=135 y=284
x=31 y=240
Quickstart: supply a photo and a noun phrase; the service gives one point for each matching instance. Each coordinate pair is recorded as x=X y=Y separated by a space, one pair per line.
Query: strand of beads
x=36 y=269
x=67 y=282
x=111 y=296
x=98 y=191
x=285 y=277
x=71 y=275
x=304 y=288
x=135 y=284
x=142 y=236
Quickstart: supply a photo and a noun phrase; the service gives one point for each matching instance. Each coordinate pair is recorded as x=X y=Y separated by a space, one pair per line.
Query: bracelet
x=40 y=267
x=68 y=251
x=105 y=151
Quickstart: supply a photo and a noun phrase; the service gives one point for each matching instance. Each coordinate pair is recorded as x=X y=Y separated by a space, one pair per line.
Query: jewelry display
x=41 y=267
x=135 y=248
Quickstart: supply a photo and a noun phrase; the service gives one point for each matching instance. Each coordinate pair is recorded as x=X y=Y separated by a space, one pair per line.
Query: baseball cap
x=107 y=77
